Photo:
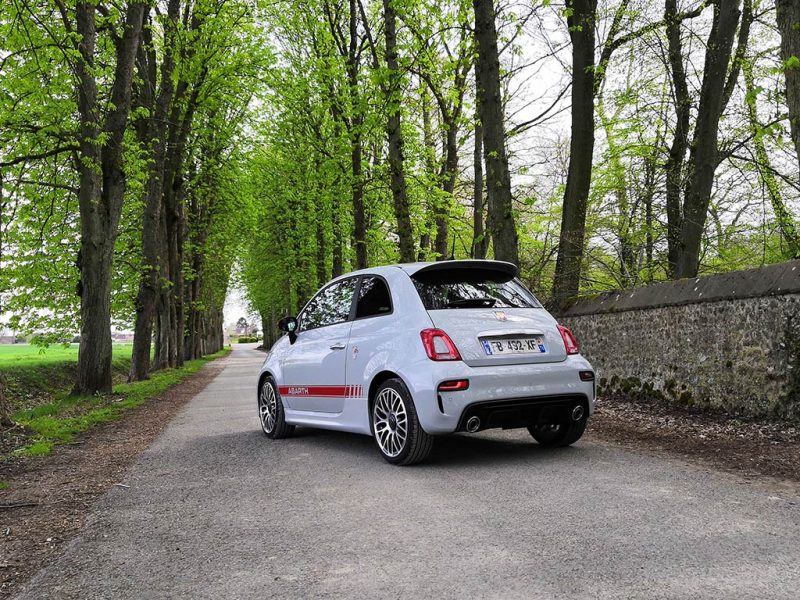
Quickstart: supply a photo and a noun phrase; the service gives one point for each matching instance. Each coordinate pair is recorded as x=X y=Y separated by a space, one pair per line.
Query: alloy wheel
x=267 y=407
x=390 y=422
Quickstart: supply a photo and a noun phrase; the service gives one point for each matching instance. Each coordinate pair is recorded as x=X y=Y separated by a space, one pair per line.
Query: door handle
x=338 y=347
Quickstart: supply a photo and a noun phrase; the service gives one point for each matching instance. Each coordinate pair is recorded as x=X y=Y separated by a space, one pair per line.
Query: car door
x=314 y=367
x=373 y=332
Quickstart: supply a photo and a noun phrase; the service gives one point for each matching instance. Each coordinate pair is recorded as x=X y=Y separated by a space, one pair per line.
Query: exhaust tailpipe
x=473 y=424
x=577 y=413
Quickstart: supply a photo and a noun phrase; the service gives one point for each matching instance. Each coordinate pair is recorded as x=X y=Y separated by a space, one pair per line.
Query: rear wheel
x=395 y=426
x=555 y=435
x=270 y=411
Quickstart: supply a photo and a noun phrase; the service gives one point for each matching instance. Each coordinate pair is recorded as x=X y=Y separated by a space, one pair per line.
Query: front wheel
x=556 y=435
x=395 y=426
x=270 y=411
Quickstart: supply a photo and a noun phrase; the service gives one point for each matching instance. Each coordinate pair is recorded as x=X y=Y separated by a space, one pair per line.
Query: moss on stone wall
x=740 y=355
x=790 y=405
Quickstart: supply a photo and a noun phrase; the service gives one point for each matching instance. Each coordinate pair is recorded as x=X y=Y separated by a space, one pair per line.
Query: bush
x=248 y=339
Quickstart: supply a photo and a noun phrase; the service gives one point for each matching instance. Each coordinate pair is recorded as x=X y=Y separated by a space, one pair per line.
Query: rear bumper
x=521 y=412
x=502 y=396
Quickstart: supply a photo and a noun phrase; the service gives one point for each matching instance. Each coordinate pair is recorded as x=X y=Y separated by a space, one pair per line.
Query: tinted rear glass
x=444 y=291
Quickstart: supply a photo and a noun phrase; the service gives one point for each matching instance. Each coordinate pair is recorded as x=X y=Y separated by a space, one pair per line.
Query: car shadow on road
x=492 y=447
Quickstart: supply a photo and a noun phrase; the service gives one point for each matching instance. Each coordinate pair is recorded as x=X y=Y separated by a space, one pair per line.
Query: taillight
x=438 y=345
x=570 y=343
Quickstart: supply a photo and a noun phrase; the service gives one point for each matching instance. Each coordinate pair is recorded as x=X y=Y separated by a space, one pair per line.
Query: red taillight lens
x=454 y=385
x=438 y=345
x=570 y=343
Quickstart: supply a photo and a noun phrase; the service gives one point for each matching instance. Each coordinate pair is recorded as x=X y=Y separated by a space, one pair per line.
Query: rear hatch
x=492 y=318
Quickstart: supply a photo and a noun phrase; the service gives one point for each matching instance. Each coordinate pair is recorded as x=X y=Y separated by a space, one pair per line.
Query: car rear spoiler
x=467 y=270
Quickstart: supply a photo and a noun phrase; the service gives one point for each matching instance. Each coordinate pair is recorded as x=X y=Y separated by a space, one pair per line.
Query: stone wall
x=729 y=341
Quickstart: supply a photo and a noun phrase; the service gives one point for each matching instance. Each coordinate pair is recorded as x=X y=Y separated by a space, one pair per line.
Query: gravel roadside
x=63 y=487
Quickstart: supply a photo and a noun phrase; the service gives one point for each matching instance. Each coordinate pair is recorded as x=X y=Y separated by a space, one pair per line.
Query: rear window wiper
x=471 y=303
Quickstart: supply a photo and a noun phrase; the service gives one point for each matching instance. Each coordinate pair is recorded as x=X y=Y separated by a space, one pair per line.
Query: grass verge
x=58 y=421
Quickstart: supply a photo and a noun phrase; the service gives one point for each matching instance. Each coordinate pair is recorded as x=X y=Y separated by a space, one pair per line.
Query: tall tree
x=766 y=171
x=156 y=143
x=704 y=155
x=788 y=17
x=680 y=140
x=102 y=181
x=392 y=91
x=443 y=55
x=480 y=239
x=490 y=106
x=581 y=15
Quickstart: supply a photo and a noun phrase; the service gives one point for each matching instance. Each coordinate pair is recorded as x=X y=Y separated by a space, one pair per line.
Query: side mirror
x=289 y=325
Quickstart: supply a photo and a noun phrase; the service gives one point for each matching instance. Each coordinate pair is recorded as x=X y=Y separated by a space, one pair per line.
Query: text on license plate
x=523 y=345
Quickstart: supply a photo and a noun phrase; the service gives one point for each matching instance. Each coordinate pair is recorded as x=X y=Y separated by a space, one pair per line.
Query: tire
x=557 y=435
x=391 y=408
x=270 y=411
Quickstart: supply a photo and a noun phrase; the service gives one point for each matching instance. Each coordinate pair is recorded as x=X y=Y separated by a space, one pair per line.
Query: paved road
x=216 y=510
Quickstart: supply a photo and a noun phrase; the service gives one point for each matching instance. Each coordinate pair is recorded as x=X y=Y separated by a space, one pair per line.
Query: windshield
x=473 y=292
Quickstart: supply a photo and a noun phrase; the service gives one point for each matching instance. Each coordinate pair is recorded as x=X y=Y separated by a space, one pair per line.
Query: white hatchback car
x=407 y=352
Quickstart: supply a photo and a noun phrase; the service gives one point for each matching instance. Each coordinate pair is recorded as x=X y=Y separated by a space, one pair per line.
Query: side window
x=330 y=306
x=374 y=298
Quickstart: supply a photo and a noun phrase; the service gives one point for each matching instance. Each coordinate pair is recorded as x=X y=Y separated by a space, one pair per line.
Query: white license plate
x=520 y=345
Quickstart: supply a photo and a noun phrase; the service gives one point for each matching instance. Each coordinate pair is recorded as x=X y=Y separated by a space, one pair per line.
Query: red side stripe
x=322 y=391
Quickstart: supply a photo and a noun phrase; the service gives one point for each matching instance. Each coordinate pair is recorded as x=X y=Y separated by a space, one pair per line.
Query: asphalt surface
x=216 y=510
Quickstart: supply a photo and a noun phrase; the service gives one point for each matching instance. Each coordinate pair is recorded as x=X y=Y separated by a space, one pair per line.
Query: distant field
x=23 y=355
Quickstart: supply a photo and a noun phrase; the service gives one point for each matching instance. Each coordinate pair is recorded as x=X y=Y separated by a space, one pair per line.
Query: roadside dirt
x=48 y=498
x=749 y=447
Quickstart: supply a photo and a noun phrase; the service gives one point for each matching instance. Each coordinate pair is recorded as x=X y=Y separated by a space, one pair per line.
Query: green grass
x=25 y=355
x=3 y=485
x=32 y=376
x=58 y=422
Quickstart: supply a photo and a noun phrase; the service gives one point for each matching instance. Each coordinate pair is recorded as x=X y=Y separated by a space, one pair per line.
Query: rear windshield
x=440 y=291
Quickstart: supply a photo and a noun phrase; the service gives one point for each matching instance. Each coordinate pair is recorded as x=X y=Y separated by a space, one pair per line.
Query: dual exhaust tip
x=474 y=423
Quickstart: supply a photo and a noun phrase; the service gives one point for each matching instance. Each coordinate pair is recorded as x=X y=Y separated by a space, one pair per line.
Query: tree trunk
x=448 y=177
x=396 y=159
x=680 y=140
x=788 y=16
x=704 y=155
x=322 y=253
x=163 y=320
x=150 y=280
x=498 y=178
x=5 y=407
x=581 y=24
x=101 y=189
x=480 y=242
x=175 y=291
x=359 y=220
x=337 y=266
x=480 y=237
x=785 y=221
x=429 y=208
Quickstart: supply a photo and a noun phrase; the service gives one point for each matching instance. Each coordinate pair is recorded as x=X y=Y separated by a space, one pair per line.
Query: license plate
x=520 y=345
